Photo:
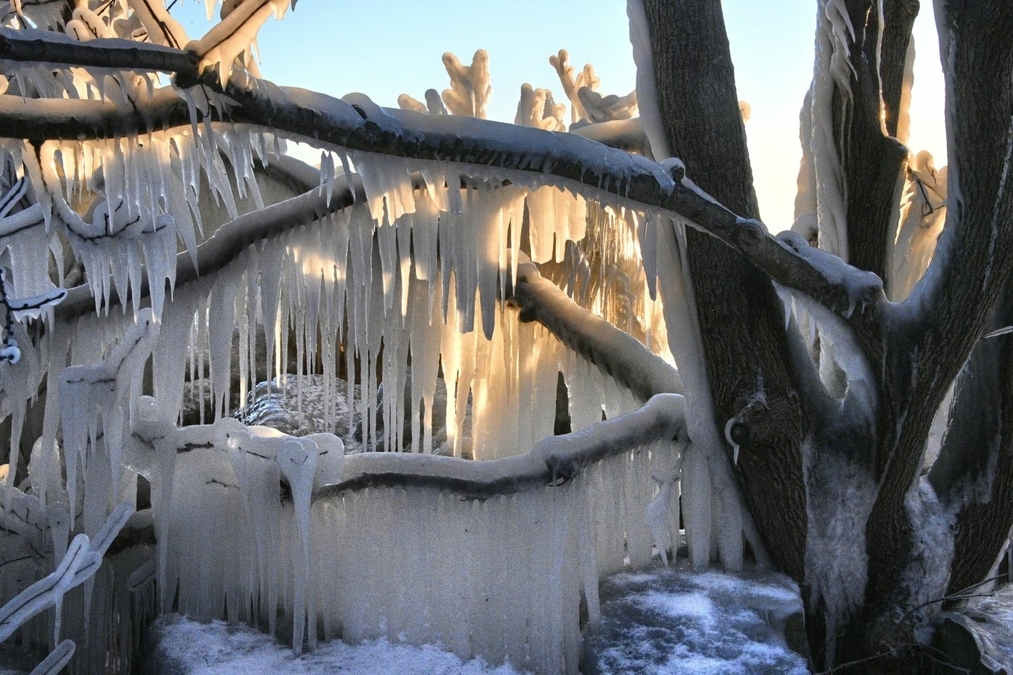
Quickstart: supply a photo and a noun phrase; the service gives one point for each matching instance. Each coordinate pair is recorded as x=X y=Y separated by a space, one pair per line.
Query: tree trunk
x=741 y=316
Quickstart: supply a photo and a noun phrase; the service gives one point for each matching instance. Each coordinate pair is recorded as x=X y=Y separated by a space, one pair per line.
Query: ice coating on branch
x=663 y=512
x=406 y=102
x=470 y=86
x=647 y=96
x=573 y=84
x=607 y=108
x=81 y=561
x=236 y=33
x=536 y=108
x=103 y=394
x=857 y=288
x=713 y=509
x=596 y=522
x=927 y=575
x=923 y=213
x=160 y=27
x=833 y=72
x=298 y=462
x=57 y=659
x=839 y=497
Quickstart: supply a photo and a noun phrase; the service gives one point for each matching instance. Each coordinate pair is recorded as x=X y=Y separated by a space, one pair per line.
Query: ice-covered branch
x=44 y=119
x=114 y=53
x=555 y=458
x=511 y=152
x=19 y=309
x=234 y=237
x=82 y=559
x=614 y=351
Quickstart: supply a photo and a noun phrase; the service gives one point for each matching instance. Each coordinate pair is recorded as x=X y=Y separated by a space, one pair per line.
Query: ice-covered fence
x=499 y=558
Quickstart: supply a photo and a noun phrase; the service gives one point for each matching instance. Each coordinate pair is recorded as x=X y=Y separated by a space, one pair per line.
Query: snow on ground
x=194 y=648
x=669 y=621
x=663 y=621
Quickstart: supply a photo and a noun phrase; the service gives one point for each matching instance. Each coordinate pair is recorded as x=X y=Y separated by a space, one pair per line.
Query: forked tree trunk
x=913 y=351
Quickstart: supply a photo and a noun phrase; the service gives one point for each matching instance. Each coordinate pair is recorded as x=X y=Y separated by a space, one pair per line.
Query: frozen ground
x=191 y=648
x=673 y=621
x=657 y=622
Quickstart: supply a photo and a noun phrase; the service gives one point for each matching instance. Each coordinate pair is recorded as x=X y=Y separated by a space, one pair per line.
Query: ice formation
x=331 y=291
x=923 y=213
x=833 y=71
x=182 y=299
x=501 y=576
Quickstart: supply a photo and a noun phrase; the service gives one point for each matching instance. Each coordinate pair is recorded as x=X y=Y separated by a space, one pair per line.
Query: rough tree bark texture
x=741 y=317
x=975 y=465
x=930 y=337
x=873 y=161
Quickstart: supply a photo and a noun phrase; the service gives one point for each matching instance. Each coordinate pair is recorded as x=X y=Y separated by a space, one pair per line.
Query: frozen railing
x=493 y=558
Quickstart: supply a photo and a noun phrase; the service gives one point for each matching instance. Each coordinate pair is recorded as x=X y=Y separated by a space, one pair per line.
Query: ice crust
x=665 y=621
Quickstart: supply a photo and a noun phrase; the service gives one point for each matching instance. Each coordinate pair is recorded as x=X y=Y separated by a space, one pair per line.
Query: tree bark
x=873 y=161
x=741 y=317
x=974 y=471
x=929 y=337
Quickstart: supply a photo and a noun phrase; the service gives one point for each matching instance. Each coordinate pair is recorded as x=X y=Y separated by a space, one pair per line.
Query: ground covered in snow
x=190 y=648
x=668 y=621
x=658 y=622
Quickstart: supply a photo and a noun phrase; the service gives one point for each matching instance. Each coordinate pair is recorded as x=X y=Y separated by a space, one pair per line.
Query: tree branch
x=898 y=20
x=521 y=154
x=230 y=240
x=614 y=351
x=113 y=53
x=973 y=475
x=740 y=315
x=552 y=459
x=39 y=120
x=872 y=161
x=930 y=335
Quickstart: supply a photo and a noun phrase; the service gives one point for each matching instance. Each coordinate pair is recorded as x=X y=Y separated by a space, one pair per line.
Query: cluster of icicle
x=418 y=271
x=414 y=275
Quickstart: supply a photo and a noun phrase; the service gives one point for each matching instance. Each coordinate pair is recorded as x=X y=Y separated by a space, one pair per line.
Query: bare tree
x=825 y=430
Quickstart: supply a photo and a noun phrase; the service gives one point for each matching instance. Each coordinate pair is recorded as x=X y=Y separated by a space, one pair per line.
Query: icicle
x=298 y=462
x=696 y=504
x=220 y=326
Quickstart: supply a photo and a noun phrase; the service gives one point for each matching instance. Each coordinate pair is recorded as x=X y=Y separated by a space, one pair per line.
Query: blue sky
x=385 y=48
